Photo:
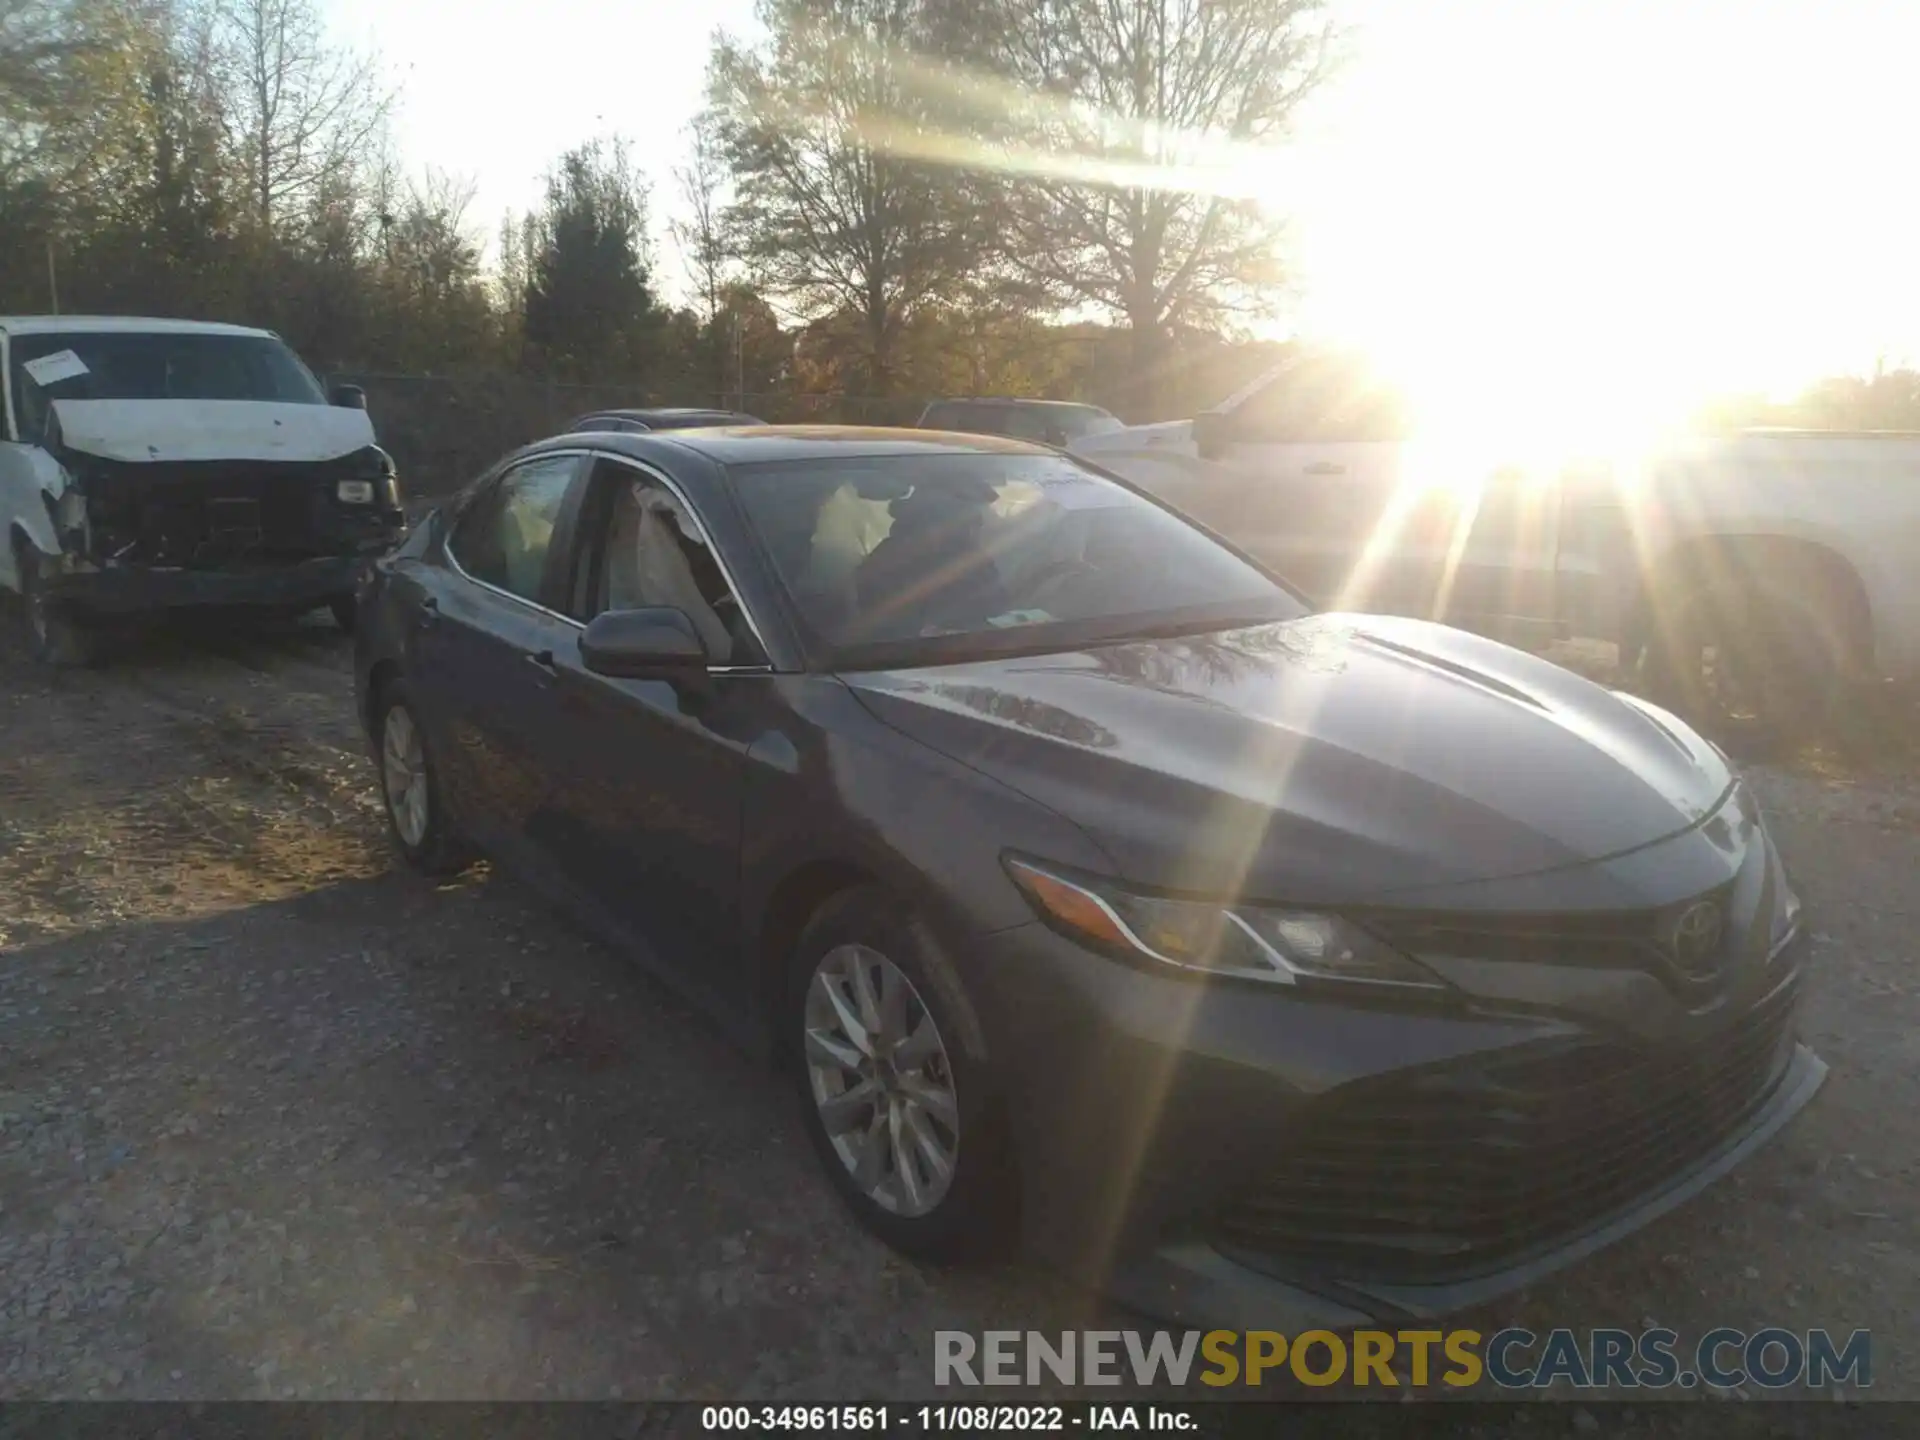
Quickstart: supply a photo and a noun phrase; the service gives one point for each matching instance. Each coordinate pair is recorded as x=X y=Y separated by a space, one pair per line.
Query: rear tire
x=55 y=636
x=1756 y=668
x=410 y=787
x=894 y=1085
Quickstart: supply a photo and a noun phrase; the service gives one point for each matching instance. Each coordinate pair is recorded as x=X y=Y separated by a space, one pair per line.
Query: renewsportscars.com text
x=1513 y=1359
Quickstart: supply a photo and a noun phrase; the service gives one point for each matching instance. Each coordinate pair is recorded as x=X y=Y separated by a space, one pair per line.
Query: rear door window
x=505 y=538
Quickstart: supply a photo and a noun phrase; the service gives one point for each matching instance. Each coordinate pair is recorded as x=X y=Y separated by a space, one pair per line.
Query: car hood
x=1335 y=758
x=139 y=431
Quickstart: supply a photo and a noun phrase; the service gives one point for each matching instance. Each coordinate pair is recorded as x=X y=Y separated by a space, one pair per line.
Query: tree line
x=874 y=200
x=888 y=198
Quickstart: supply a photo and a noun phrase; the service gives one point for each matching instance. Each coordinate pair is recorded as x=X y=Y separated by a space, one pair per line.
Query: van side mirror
x=348 y=397
x=1213 y=431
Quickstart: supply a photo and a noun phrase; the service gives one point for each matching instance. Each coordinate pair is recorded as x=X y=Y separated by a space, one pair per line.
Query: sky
x=1513 y=198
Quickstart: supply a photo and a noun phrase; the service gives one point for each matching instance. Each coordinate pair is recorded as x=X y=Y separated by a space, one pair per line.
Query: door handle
x=1326 y=467
x=428 y=612
x=543 y=662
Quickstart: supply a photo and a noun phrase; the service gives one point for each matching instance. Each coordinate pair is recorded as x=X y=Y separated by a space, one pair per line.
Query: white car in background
x=1748 y=577
x=149 y=465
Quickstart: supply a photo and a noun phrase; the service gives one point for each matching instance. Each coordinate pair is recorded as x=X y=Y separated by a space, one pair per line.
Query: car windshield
x=138 y=365
x=899 y=559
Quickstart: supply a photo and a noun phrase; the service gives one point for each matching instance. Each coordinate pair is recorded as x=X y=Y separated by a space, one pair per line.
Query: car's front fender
x=31 y=484
x=837 y=797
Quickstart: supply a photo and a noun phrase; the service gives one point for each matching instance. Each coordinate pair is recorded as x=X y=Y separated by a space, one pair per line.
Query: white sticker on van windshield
x=52 y=369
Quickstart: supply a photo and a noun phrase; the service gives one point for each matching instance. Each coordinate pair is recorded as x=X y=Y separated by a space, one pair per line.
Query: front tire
x=410 y=788
x=54 y=636
x=894 y=1087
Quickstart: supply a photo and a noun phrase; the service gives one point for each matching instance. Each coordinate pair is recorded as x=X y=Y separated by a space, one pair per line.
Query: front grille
x=217 y=524
x=1456 y=1171
x=219 y=514
x=1628 y=939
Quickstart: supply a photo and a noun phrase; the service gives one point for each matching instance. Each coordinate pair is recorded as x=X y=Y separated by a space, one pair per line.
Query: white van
x=147 y=465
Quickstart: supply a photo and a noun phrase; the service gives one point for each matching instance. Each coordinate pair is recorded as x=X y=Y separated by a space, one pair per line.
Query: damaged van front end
x=164 y=504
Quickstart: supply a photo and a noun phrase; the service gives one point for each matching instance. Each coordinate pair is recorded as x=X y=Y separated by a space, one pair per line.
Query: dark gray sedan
x=1266 y=967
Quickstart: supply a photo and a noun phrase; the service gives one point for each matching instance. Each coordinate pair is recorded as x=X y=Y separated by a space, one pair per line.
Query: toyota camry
x=1263 y=966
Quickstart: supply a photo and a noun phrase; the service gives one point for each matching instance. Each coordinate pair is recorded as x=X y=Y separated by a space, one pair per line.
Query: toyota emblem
x=1695 y=938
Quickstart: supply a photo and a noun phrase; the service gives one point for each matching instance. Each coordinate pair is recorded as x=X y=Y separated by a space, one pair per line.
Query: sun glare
x=1579 y=237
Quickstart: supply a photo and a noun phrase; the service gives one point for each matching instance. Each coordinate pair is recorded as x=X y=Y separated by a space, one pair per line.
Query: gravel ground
x=279 y=1119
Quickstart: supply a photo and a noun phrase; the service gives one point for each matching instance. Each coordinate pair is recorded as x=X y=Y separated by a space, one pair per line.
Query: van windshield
x=135 y=365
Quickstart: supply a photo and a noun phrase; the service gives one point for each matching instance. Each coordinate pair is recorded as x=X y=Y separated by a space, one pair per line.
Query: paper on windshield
x=52 y=369
x=1018 y=617
x=1075 y=490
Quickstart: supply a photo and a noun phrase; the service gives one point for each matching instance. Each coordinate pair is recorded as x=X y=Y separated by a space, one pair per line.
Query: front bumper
x=135 y=589
x=1192 y=1283
x=1143 y=1105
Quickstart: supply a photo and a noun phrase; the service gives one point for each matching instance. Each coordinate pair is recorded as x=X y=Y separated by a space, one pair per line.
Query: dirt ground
x=278 y=1118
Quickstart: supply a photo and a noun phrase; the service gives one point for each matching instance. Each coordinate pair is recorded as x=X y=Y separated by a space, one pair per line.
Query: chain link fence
x=444 y=430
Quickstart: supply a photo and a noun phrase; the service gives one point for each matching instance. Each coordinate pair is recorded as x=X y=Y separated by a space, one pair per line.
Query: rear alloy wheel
x=411 y=789
x=54 y=636
x=896 y=1094
x=1755 y=670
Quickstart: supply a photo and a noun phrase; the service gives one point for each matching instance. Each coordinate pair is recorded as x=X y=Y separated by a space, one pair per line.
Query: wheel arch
x=23 y=535
x=793 y=901
x=379 y=676
x=1807 y=569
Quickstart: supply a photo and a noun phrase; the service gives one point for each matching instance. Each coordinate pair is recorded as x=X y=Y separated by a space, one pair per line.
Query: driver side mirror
x=654 y=643
x=1213 y=431
x=348 y=397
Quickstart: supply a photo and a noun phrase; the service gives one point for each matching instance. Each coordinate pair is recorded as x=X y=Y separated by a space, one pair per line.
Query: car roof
x=756 y=444
x=666 y=412
x=119 y=324
x=1017 y=400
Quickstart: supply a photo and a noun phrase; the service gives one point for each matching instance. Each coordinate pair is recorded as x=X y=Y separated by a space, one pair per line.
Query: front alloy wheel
x=902 y=1101
x=881 y=1081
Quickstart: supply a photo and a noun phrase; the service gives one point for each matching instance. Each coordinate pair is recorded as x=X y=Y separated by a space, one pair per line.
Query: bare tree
x=700 y=234
x=698 y=231
x=300 y=107
x=828 y=216
x=1130 y=132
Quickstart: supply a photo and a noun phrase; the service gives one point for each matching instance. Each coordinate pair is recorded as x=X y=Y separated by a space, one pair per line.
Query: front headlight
x=376 y=478
x=70 y=515
x=1282 y=947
